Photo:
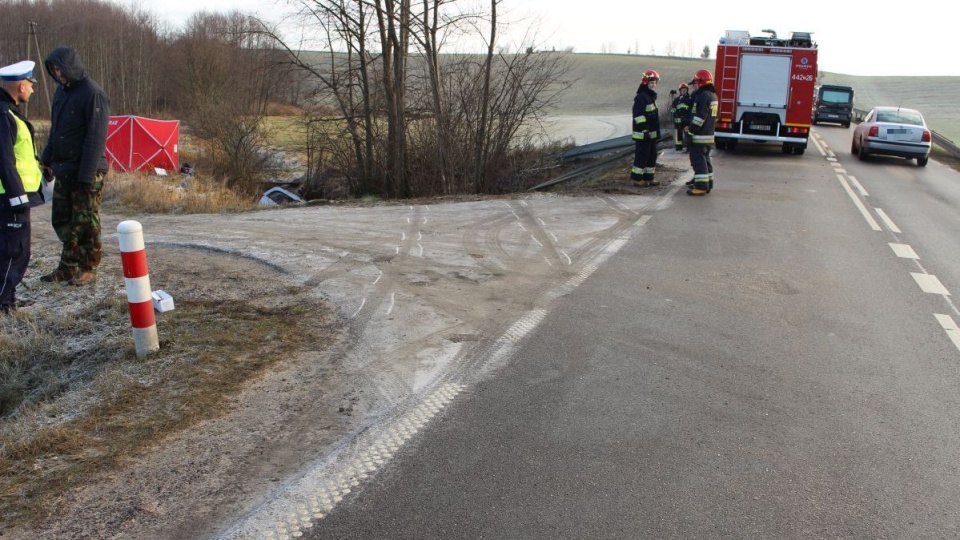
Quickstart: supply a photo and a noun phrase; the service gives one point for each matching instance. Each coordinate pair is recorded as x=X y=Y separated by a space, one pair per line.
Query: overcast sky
x=855 y=38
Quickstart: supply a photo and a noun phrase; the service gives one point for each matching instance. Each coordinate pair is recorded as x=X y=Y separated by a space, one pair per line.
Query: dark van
x=834 y=104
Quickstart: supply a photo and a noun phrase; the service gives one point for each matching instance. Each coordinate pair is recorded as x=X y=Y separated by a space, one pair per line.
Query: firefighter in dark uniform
x=646 y=131
x=680 y=111
x=703 y=120
x=20 y=180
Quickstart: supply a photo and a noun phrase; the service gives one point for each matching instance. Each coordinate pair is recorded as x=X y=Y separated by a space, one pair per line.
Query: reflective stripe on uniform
x=697 y=121
x=702 y=139
x=651 y=107
x=640 y=120
x=639 y=135
x=26 y=162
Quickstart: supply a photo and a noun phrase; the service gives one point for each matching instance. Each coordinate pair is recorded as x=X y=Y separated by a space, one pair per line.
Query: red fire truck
x=766 y=88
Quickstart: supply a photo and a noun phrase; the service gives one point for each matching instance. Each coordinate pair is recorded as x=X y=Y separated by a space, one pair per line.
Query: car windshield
x=901 y=116
x=840 y=97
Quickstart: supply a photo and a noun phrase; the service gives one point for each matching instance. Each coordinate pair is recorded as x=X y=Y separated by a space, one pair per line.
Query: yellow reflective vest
x=26 y=157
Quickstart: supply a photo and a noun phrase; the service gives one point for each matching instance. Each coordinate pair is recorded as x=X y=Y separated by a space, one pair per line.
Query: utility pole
x=32 y=32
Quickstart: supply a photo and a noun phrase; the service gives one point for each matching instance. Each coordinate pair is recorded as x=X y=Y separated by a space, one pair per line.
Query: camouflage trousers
x=75 y=215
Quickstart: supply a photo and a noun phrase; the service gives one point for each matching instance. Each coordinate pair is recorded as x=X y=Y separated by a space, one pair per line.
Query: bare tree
x=223 y=75
x=418 y=121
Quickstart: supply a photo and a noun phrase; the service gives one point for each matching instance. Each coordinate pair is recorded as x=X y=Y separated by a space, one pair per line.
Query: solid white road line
x=856 y=183
x=886 y=220
x=856 y=201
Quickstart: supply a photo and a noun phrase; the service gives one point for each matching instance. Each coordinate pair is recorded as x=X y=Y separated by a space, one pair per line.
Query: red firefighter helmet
x=703 y=77
x=650 y=75
x=683 y=86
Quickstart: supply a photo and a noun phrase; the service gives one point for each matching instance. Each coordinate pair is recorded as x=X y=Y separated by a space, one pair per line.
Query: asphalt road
x=776 y=360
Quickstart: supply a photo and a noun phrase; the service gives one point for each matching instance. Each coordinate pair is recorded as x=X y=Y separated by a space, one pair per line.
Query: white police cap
x=19 y=71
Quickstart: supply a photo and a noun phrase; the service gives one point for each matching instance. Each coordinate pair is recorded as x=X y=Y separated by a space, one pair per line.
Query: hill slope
x=604 y=84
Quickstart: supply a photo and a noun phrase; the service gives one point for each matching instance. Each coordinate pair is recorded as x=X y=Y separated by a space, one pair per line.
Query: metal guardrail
x=939 y=140
x=597 y=147
x=946 y=144
x=601 y=154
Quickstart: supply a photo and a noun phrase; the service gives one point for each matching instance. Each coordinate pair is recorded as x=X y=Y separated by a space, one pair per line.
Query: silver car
x=893 y=131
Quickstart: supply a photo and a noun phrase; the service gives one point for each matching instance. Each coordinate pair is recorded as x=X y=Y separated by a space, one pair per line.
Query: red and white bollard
x=133 y=256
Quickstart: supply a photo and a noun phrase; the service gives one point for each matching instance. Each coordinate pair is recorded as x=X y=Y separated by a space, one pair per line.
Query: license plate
x=896 y=131
x=757 y=127
x=832 y=116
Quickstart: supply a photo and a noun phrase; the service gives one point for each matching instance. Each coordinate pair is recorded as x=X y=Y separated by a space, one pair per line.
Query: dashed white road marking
x=904 y=251
x=929 y=284
x=887 y=221
x=569 y=260
x=950 y=326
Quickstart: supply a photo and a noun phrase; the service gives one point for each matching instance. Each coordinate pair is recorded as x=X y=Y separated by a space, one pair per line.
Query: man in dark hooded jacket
x=75 y=155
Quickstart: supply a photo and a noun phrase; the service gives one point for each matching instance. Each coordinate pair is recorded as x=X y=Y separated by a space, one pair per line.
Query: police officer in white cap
x=20 y=179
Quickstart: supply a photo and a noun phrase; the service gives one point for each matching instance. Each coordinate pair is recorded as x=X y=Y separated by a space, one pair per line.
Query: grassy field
x=605 y=84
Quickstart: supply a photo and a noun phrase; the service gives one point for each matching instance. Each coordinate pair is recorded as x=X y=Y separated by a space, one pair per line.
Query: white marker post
x=136 y=277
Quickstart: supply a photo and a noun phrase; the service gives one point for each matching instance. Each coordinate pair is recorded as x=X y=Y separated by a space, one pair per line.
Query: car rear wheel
x=853 y=147
x=862 y=153
x=922 y=161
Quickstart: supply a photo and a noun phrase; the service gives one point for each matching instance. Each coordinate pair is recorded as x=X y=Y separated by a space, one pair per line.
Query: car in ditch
x=893 y=131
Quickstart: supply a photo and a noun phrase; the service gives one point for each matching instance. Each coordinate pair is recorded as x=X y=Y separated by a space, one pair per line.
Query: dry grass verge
x=151 y=194
x=74 y=398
